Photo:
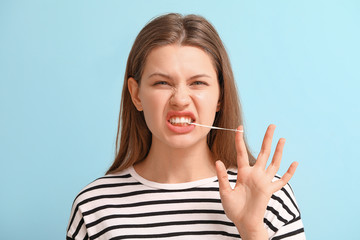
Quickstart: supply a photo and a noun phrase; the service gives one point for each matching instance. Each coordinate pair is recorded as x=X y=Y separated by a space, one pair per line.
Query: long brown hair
x=133 y=139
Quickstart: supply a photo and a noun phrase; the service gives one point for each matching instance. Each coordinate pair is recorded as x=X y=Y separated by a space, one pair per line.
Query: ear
x=133 y=88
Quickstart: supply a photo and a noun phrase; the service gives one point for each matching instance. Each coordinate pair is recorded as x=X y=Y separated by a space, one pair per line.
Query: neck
x=173 y=165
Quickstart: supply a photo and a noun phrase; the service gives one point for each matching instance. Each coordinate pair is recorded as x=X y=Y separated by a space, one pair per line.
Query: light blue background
x=61 y=70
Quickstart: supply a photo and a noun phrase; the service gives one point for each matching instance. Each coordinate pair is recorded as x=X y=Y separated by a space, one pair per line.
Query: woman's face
x=179 y=85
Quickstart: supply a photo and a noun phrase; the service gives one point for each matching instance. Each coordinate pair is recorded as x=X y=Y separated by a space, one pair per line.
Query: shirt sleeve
x=76 y=228
x=283 y=217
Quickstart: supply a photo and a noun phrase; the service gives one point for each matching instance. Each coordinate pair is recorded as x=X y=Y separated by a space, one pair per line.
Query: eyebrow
x=170 y=78
x=160 y=74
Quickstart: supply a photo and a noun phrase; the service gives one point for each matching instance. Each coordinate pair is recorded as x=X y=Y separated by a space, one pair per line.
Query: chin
x=182 y=142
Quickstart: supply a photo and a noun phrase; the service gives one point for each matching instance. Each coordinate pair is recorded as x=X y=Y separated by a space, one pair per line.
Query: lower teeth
x=180 y=124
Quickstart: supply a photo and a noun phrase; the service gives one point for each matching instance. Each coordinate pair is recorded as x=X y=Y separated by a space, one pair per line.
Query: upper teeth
x=180 y=120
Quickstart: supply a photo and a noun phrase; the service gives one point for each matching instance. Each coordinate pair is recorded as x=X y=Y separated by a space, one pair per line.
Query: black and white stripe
x=126 y=206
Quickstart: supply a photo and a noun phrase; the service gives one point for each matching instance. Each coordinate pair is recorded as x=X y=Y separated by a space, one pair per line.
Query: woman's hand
x=246 y=204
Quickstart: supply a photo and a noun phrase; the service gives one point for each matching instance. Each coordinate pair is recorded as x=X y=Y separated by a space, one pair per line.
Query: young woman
x=171 y=178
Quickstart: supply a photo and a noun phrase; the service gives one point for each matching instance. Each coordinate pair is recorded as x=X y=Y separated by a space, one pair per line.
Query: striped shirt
x=127 y=206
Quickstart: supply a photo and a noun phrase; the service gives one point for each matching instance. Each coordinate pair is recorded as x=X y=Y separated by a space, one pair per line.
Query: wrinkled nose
x=180 y=97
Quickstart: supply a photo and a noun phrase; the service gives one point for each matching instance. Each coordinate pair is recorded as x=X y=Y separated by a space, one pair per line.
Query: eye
x=161 y=83
x=197 y=83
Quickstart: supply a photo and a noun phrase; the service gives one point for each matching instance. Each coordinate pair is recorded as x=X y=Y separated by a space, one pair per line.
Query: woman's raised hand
x=246 y=204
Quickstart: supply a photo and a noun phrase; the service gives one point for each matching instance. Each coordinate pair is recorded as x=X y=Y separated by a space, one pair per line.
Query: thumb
x=222 y=175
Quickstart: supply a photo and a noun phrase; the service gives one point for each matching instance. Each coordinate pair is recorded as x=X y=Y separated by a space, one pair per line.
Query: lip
x=180 y=129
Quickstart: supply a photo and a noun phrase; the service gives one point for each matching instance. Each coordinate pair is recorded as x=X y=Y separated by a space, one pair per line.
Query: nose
x=180 y=97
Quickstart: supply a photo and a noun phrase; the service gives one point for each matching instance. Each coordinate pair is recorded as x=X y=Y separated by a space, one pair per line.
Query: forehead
x=176 y=59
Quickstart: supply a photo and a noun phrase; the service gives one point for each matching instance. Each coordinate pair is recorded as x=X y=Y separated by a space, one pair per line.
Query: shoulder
x=282 y=214
x=105 y=184
x=94 y=195
x=285 y=199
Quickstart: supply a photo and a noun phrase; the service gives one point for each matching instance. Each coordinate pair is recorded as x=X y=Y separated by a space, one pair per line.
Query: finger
x=265 y=147
x=275 y=163
x=224 y=184
x=242 y=156
x=277 y=185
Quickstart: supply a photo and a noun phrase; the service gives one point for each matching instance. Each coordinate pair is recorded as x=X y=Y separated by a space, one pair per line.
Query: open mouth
x=180 y=121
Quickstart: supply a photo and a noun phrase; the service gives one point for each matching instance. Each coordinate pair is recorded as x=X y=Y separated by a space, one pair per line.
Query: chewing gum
x=219 y=128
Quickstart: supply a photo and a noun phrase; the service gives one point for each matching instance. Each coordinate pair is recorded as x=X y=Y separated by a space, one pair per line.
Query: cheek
x=153 y=105
x=207 y=103
x=208 y=99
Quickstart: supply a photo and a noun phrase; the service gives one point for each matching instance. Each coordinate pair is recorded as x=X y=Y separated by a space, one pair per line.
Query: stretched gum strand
x=219 y=128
